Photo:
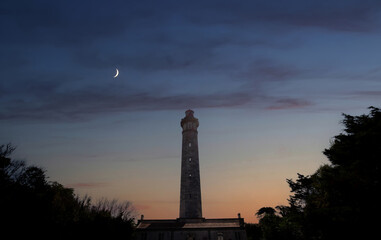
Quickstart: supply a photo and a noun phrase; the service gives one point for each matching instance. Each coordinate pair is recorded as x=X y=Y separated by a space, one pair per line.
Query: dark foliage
x=340 y=200
x=253 y=231
x=31 y=206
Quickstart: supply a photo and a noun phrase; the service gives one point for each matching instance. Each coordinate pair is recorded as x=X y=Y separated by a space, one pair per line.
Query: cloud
x=159 y=36
x=354 y=16
x=373 y=93
x=266 y=69
x=61 y=97
x=55 y=104
x=53 y=44
x=80 y=24
x=86 y=185
x=64 y=23
x=88 y=102
x=342 y=15
x=289 y=103
x=141 y=207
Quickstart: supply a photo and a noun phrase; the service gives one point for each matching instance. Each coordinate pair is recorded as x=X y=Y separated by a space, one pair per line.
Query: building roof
x=188 y=224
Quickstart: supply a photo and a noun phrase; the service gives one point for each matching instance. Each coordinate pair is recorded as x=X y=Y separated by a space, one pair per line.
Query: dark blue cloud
x=82 y=22
x=49 y=104
x=342 y=15
x=289 y=103
x=54 y=55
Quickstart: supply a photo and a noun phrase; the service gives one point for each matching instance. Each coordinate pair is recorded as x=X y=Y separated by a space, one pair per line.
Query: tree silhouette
x=31 y=206
x=340 y=200
x=265 y=211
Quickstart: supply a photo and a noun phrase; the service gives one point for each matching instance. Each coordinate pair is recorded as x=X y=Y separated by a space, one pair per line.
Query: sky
x=268 y=81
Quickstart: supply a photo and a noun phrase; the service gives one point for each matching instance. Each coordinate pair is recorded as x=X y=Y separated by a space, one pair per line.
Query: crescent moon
x=117 y=73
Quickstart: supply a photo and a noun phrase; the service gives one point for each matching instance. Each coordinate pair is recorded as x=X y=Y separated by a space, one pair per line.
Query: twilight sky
x=268 y=81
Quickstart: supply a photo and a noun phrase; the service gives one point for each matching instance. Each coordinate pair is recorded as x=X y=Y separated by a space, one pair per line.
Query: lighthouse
x=190 y=189
x=190 y=225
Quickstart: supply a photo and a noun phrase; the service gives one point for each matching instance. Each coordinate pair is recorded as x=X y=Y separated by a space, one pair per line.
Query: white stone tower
x=190 y=191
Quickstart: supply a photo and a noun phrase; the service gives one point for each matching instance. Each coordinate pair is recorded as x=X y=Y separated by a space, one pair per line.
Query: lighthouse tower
x=191 y=225
x=190 y=191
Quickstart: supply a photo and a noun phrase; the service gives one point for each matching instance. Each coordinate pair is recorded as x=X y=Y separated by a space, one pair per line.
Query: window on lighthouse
x=220 y=236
